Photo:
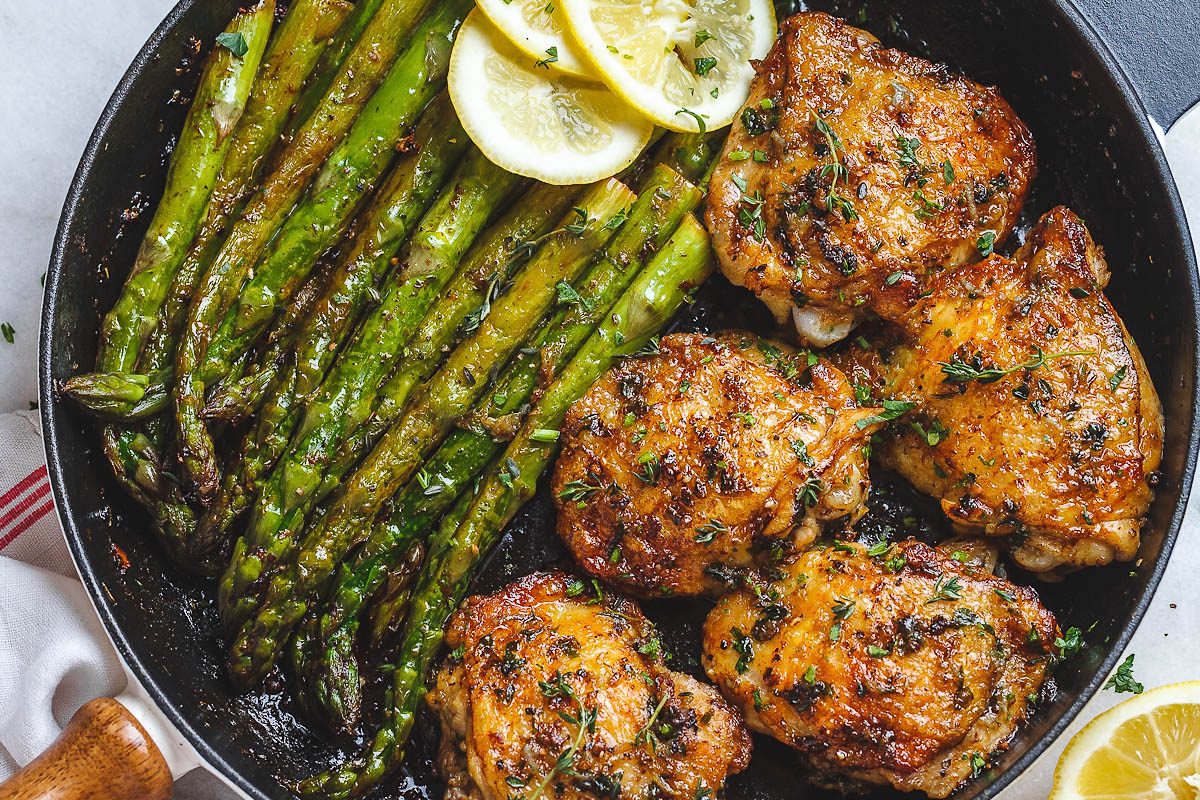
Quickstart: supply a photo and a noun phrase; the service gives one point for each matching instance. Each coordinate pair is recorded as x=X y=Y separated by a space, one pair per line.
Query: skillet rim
x=1110 y=70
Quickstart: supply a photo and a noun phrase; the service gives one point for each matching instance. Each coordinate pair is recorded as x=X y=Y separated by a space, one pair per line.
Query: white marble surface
x=60 y=60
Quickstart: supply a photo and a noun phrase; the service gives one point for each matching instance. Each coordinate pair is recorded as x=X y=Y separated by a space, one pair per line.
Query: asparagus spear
x=691 y=154
x=219 y=102
x=344 y=397
x=664 y=200
x=528 y=219
x=353 y=169
x=456 y=552
x=292 y=52
x=136 y=456
x=121 y=396
x=329 y=65
x=218 y=105
x=289 y=376
x=324 y=661
x=448 y=395
x=372 y=58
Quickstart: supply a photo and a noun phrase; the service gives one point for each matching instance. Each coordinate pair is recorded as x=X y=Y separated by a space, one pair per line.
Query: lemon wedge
x=1147 y=748
x=535 y=27
x=685 y=65
x=530 y=121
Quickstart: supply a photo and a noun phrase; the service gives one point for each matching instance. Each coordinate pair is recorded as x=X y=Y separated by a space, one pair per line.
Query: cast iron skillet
x=1098 y=154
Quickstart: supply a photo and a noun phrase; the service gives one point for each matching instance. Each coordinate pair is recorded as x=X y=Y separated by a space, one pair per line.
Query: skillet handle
x=1157 y=42
x=103 y=752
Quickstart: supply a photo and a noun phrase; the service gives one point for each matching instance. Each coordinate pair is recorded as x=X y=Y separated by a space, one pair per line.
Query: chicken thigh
x=855 y=173
x=550 y=694
x=682 y=468
x=897 y=665
x=1033 y=416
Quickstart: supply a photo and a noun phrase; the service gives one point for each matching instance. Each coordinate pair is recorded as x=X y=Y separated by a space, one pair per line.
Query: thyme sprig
x=958 y=370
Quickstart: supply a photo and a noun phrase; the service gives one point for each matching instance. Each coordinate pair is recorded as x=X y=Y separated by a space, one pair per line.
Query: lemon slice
x=551 y=127
x=536 y=28
x=1147 y=748
x=685 y=65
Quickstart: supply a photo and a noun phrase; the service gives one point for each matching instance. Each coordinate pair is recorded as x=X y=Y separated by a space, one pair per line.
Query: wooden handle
x=103 y=753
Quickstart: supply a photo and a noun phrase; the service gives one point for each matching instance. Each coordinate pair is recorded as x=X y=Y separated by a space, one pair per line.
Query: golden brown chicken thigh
x=682 y=468
x=553 y=693
x=1034 y=416
x=897 y=666
x=857 y=171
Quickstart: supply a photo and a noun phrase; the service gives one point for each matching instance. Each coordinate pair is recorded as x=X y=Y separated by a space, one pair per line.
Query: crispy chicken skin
x=532 y=661
x=680 y=469
x=1037 y=417
x=855 y=173
x=905 y=668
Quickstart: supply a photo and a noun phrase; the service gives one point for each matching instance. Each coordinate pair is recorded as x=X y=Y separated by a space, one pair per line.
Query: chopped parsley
x=986 y=243
x=1122 y=681
x=892 y=409
x=234 y=43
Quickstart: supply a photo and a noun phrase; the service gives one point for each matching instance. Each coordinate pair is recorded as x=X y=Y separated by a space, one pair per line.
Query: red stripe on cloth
x=24 y=504
x=24 y=484
x=26 y=523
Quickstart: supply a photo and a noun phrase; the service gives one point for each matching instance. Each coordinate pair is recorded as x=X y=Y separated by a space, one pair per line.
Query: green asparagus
x=447 y=396
x=292 y=52
x=123 y=396
x=345 y=397
x=218 y=105
x=324 y=660
x=439 y=143
x=372 y=58
x=664 y=200
x=528 y=220
x=328 y=66
x=435 y=147
x=456 y=551
x=204 y=144
x=691 y=154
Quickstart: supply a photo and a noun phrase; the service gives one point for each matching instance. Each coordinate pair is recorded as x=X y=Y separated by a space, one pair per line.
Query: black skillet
x=1098 y=154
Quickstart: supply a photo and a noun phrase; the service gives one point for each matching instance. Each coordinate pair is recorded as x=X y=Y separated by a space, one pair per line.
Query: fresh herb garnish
x=745 y=650
x=234 y=43
x=892 y=409
x=842 y=610
x=934 y=435
x=699 y=120
x=1069 y=643
x=957 y=370
x=1122 y=681
x=709 y=530
x=568 y=296
x=835 y=170
x=578 y=491
x=986 y=243
x=584 y=721
x=945 y=590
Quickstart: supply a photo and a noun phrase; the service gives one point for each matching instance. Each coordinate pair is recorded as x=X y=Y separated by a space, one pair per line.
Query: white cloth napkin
x=54 y=655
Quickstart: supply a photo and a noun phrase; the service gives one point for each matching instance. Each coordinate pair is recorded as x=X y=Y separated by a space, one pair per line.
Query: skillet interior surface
x=1096 y=155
